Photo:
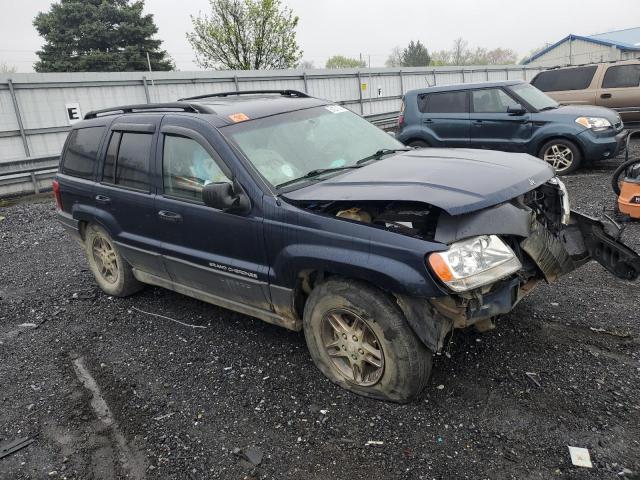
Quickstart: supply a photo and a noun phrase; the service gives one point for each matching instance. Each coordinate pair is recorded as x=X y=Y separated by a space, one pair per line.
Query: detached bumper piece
x=600 y=241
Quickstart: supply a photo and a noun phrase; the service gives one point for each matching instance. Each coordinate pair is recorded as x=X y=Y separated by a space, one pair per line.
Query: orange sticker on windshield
x=238 y=117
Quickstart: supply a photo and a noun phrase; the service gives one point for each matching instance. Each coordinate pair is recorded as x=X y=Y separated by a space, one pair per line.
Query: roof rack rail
x=184 y=106
x=284 y=93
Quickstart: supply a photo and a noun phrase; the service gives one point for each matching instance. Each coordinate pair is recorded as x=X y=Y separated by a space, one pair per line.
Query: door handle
x=606 y=95
x=170 y=216
x=103 y=199
x=477 y=122
x=427 y=120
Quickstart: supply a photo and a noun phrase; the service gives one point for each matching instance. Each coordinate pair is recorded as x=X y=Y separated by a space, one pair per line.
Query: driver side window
x=187 y=168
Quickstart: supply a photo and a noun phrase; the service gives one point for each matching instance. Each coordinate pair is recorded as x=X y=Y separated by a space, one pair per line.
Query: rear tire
x=563 y=155
x=418 y=144
x=112 y=272
x=359 y=339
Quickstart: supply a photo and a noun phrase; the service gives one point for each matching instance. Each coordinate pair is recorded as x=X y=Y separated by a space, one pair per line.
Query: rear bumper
x=596 y=147
x=70 y=224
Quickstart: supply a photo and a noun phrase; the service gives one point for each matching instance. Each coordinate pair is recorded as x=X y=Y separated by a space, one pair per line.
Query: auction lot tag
x=74 y=114
x=335 y=108
x=238 y=117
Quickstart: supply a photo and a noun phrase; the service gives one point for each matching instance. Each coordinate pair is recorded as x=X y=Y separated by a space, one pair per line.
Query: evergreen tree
x=98 y=36
x=415 y=55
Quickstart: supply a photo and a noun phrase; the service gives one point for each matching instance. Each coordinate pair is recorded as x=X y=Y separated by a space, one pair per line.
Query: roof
x=465 y=86
x=627 y=40
x=224 y=106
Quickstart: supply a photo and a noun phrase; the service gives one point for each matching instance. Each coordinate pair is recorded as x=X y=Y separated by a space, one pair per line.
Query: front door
x=495 y=129
x=208 y=250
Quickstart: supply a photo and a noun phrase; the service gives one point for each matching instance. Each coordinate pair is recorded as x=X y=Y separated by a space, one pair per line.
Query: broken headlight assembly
x=564 y=199
x=474 y=262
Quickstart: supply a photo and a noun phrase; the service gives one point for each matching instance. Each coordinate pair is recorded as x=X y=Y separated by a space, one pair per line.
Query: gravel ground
x=182 y=400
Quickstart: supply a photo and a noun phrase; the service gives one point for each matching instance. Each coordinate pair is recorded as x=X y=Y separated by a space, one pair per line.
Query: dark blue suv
x=298 y=212
x=511 y=116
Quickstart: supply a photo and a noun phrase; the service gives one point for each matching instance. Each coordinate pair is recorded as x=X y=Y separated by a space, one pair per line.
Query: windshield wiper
x=315 y=173
x=380 y=153
x=550 y=107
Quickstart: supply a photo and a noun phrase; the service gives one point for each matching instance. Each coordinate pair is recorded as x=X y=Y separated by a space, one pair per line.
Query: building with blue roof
x=578 y=49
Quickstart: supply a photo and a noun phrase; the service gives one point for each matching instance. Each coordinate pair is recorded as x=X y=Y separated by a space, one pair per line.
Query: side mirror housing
x=225 y=196
x=516 y=110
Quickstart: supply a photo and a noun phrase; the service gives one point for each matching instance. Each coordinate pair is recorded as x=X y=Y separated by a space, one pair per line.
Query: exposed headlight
x=594 y=123
x=564 y=200
x=474 y=262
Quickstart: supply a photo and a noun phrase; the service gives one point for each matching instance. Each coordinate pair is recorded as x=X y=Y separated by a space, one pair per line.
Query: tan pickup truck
x=614 y=85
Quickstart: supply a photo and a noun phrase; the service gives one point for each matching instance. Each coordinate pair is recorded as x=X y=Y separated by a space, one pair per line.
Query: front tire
x=418 y=144
x=360 y=340
x=563 y=155
x=112 y=272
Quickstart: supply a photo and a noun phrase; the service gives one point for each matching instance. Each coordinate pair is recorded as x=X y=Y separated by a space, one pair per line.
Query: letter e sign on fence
x=74 y=115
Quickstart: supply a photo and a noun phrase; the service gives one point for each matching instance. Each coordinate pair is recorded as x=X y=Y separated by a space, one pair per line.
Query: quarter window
x=491 y=100
x=622 y=76
x=127 y=160
x=446 y=102
x=565 y=79
x=82 y=152
x=187 y=168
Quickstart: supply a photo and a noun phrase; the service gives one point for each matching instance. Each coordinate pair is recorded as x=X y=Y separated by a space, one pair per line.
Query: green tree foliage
x=246 y=35
x=415 y=55
x=98 y=36
x=340 y=61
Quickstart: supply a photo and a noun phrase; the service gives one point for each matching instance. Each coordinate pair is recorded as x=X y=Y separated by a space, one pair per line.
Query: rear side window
x=491 y=100
x=445 y=102
x=82 y=152
x=622 y=76
x=127 y=160
x=567 y=79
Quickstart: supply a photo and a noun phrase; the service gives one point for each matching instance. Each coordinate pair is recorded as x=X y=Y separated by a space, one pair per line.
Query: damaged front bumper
x=582 y=240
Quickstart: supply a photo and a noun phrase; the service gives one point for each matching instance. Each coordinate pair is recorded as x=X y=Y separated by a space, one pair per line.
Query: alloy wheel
x=353 y=347
x=559 y=156
x=106 y=260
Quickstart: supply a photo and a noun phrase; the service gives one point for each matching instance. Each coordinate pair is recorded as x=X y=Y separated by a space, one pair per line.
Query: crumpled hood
x=456 y=180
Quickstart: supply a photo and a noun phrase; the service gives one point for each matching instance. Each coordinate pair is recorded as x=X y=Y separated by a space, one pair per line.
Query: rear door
x=569 y=85
x=620 y=90
x=218 y=253
x=445 y=118
x=125 y=196
x=492 y=127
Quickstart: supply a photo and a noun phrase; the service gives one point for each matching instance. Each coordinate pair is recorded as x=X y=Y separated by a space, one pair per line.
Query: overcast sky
x=373 y=27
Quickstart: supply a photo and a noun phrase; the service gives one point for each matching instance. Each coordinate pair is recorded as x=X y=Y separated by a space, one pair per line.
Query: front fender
x=386 y=273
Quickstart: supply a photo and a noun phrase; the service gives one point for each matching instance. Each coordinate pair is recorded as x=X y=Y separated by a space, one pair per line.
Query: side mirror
x=226 y=197
x=516 y=110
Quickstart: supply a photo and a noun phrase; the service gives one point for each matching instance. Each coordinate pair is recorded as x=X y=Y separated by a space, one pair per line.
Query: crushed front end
x=548 y=241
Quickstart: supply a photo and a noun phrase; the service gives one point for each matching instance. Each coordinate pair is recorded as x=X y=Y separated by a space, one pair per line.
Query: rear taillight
x=56 y=194
x=400 y=120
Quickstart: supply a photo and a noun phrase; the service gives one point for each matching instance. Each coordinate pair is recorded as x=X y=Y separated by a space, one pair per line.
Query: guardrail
x=34 y=175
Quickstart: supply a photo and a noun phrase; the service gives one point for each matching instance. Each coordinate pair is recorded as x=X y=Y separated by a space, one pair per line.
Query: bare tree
x=460 y=52
x=6 y=68
x=395 y=58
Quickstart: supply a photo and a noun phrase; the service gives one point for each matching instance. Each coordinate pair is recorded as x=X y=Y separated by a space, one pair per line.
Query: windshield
x=290 y=145
x=533 y=96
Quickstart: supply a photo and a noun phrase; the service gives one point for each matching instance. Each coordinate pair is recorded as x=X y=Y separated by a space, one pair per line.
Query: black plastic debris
x=7 y=448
